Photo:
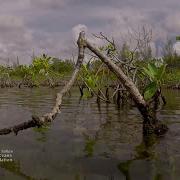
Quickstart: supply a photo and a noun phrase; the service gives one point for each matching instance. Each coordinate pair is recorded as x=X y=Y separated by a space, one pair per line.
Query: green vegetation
x=172 y=59
x=147 y=73
x=172 y=77
x=155 y=74
x=44 y=70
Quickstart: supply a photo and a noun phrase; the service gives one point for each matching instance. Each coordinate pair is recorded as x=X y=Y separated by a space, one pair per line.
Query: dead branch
x=120 y=74
x=49 y=117
x=104 y=37
x=150 y=125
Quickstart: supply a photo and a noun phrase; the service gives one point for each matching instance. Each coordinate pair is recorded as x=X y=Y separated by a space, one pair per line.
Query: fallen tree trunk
x=150 y=125
x=127 y=83
x=39 y=121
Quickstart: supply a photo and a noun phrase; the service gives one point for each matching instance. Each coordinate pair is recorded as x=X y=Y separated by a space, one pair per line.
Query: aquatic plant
x=156 y=75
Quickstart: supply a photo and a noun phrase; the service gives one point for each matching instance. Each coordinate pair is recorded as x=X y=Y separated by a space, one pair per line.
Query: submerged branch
x=49 y=117
x=149 y=124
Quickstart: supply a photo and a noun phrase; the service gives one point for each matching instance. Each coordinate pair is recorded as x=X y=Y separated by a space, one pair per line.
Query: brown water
x=86 y=141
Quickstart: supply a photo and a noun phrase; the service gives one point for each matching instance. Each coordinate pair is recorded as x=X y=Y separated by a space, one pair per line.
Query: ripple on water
x=86 y=141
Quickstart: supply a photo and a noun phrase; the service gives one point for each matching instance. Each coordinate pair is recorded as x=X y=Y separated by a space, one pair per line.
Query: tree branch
x=49 y=117
x=129 y=85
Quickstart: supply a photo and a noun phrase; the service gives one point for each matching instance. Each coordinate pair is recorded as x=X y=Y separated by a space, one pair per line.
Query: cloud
x=48 y=4
x=172 y=22
x=77 y=29
x=9 y=23
x=15 y=37
x=52 y=26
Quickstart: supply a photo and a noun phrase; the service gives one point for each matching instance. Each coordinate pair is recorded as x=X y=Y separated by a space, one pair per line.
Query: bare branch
x=104 y=37
x=138 y=98
x=39 y=121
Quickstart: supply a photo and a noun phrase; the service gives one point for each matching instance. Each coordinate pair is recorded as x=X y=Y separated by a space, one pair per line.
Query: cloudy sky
x=50 y=26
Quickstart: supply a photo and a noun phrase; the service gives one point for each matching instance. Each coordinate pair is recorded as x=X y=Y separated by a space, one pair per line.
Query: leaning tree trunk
x=149 y=125
x=39 y=121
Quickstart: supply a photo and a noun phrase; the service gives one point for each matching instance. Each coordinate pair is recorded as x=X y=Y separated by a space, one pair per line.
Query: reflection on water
x=87 y=141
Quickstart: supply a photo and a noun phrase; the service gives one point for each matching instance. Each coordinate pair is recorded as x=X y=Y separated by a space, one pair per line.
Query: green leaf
x=89 y=81
x=177 y=38
x=161 y=71
x=155 y=73
x=153 y=69
x=89 y=147
x=148 y=72
x=87 y=94
x=42 y=71
x=150 y=90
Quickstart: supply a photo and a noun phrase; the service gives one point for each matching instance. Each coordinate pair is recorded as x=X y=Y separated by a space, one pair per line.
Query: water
x=86 y=141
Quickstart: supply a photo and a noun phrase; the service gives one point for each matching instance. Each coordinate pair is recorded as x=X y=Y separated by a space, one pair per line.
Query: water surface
x=87 y=141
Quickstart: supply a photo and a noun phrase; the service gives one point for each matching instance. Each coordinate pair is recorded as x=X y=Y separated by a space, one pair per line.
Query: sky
x=51 y=26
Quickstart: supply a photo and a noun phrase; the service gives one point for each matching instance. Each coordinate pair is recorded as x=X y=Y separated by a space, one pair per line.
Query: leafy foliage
x=42 y=64
x=43 y=68
x=150 y=90
x=177 y=38
x=60 y=66
x=96 y=77
x=155 y=75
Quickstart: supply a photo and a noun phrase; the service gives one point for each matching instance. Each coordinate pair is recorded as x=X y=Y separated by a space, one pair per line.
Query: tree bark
x=149 y=124
x=141 y=104
x=128 y=84
x=126 y=81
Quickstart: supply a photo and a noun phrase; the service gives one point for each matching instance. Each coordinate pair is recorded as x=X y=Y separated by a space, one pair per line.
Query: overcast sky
x=50 y=26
